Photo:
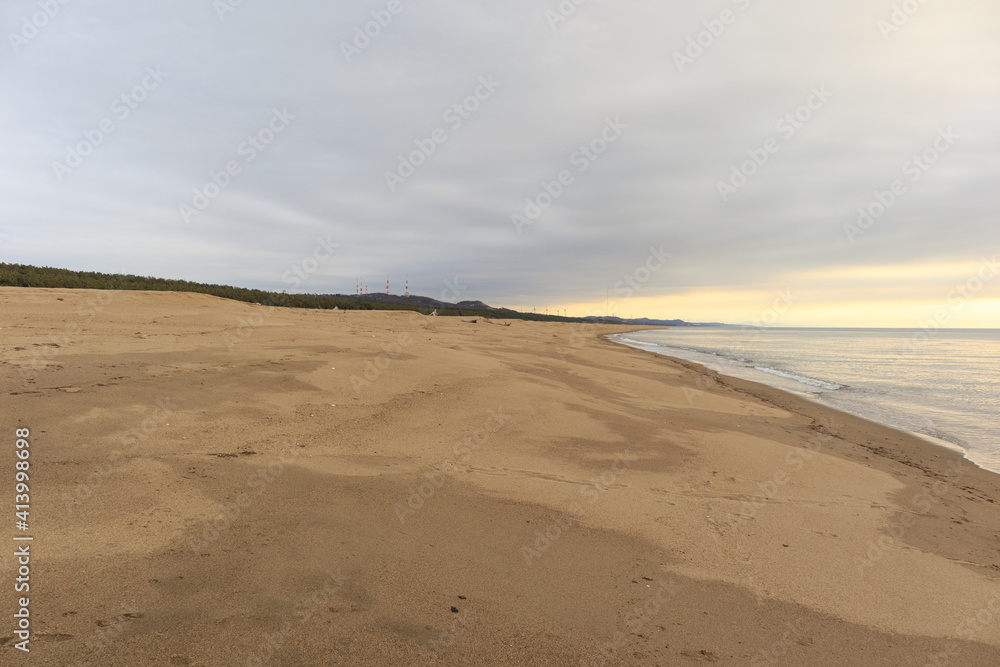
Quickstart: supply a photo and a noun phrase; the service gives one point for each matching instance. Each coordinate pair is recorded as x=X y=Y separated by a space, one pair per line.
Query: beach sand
x=217 y=483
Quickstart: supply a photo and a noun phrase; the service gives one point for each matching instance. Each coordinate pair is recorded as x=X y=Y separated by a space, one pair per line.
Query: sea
x=943 y=385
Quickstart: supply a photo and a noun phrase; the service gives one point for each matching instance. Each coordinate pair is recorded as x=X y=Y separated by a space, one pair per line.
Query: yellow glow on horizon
x=769 y=308
x=962 y=295
x=815 y=308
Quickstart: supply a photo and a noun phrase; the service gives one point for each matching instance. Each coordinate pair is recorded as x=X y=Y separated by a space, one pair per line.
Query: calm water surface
x=944 y=384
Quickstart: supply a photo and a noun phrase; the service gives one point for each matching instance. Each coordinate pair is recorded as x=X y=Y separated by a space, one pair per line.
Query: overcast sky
x=116 y=114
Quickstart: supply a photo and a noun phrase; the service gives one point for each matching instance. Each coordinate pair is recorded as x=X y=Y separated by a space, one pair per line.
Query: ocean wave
x=634 y=342
x=812 y=382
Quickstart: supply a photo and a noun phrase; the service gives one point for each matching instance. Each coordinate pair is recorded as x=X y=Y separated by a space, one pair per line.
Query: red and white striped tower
x=387 y=285
x=407 y=285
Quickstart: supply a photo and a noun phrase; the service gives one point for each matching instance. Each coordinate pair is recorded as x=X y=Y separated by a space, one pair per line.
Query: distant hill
x=427 y=302
x=419 y=302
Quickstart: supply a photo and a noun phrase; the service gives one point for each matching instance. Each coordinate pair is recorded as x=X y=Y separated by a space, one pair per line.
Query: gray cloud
x=324 y=175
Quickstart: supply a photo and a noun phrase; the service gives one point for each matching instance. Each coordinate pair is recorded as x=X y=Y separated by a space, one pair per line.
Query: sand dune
x=216 y=483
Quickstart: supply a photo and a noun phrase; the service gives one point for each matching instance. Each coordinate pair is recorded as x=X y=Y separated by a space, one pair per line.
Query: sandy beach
x=217 y=483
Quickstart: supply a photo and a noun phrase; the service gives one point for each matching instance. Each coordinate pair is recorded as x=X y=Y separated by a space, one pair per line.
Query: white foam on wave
x=724 y=363
x=812 y=382
x=623 y=339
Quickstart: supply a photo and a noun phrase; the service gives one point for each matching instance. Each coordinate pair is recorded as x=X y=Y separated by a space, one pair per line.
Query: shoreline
x=937 y=442
x=907 y=451
x=224 y=483
x=769 y=394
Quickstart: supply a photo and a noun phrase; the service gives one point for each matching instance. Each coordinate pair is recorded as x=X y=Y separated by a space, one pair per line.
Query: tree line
x=25 y=275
